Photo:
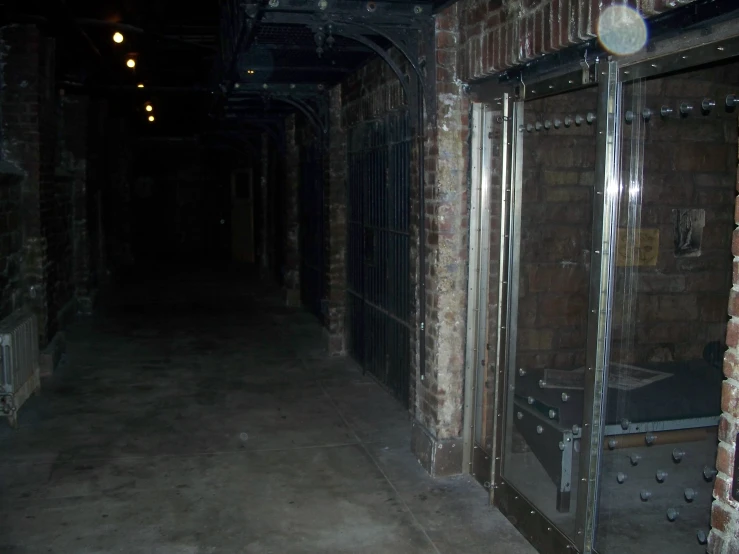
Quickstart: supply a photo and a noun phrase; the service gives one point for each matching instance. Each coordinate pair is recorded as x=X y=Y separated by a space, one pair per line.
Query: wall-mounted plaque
x=637 y=247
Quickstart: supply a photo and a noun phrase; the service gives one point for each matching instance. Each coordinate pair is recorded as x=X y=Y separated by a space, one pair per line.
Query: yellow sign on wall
x=641 y=247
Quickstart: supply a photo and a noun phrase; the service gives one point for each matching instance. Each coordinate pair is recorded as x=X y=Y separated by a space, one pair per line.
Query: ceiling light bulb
x=117 y=37
x=140 y=85
x=151 y=118
x=131 y=63
x=149 y=108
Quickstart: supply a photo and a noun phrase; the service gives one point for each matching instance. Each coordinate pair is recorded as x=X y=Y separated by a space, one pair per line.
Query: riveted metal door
x=378 y=249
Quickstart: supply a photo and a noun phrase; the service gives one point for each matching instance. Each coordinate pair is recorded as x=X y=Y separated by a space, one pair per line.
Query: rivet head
x=620 y=477
x=561 y=445
x=539 y=429
x=678 y=454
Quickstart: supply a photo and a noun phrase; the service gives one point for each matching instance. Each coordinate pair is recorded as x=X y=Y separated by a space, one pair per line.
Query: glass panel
x=550 y=285
x=668 y=322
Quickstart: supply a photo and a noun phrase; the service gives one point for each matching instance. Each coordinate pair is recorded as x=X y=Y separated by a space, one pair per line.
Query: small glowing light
x=149 y=108
x=117 y=37
x=250 y=71
x=130 y=62
x=140 y=85
x=151 y=118
x=622 y=30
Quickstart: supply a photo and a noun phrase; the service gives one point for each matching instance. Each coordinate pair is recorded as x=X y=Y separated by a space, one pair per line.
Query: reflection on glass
x=668 y=322
x=548 y=337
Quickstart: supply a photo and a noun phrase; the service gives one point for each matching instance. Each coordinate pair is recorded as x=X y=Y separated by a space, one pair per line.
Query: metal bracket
x=417 y=84
x=311 y=100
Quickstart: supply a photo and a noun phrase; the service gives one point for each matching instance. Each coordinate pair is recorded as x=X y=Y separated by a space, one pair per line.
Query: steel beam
x=373 y=10
x=310 y=68
x=280 y=88
x=352 y=48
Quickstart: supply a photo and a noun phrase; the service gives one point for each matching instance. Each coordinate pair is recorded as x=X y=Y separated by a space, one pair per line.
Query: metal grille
x=311 y=230
x=378 y=250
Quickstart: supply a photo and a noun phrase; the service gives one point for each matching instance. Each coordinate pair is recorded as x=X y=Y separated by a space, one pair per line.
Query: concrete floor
x=196 y=414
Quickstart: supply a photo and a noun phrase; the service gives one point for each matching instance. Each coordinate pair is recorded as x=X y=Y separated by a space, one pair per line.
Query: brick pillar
x=96 y=182
x=290 y=214
x=118 y=230
x=74 y=159
x=437 y=432
x=724 y=536
x=22 y=57
x=264 y=222
x=335 y=229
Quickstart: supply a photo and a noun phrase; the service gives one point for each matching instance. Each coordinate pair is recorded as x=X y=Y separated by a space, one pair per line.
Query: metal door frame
x=532 y=523
x=475 y=458
x=664 y=57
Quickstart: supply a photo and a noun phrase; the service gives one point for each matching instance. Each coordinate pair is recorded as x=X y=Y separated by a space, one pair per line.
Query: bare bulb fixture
x=130 y=62
x=117 y=37
x=140 y=85
x=250 y=71
x=149 y=108
x=151 y=119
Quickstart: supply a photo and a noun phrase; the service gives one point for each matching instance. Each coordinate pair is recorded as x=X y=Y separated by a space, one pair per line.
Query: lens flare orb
x=622 y=30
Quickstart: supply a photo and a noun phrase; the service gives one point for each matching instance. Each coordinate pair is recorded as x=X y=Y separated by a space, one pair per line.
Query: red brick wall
x=724 y=536
x=498 y=34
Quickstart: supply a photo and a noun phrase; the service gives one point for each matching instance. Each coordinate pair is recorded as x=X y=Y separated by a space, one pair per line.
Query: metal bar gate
x=311 y=230
x=378 y=250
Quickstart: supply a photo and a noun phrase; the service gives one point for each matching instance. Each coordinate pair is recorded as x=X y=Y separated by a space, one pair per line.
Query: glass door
x=551 y=269
x=671 y=280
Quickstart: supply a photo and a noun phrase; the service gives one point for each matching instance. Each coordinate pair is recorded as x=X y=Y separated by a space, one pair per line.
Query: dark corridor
x=196 y=413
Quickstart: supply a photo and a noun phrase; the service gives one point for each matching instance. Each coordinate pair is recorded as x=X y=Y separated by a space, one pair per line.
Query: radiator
x=19 y=362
